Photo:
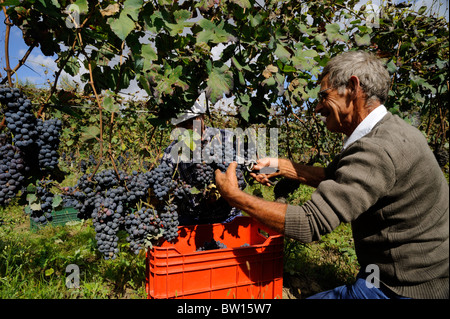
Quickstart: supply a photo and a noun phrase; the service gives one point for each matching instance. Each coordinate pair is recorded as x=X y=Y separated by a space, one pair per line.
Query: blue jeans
x=361 y=289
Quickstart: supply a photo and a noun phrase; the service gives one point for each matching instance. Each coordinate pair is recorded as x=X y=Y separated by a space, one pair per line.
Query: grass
x=33 y=263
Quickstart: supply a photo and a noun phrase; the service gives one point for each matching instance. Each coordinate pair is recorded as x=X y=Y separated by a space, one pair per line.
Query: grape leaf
x=282 y=53
x=110 y=10
x=362 y=40
x=220 y=81
x=57 y=200
x=212 y=32
x=149 y=55
x=89 y=133
x=242 y=3
x=304 y=59
x=31 y=198
x=123 y=25
x=333 y=34
x=83 y=6
x=180 y=17
x=195 y=191
x=109 y=105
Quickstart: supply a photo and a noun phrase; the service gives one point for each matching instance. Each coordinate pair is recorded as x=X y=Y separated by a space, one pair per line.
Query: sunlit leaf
x=282 y=53
x=123 y=25
x=242 y=3
x=362 y=40
x=220 y=82
x=57 y=200
x=90 y=132
x=212 y=32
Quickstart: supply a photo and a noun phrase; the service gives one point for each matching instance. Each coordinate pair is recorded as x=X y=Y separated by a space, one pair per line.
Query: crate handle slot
x=263 y=233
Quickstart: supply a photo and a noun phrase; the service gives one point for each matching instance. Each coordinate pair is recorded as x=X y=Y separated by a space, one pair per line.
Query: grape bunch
x=137 y=185
x=48 y=142
x=182 y=190
x=161 y=181
x=228 y=156
x=111 y=207
x=106 y=223
x=109 y=199
x=19 y=117
x=210 y=245
x=45 y=196
x=12 y=170
x=139 y=225
x=7 y=93
x=36 y=140
x=204 y=174
x=89 y=192
x=83 y=195
x=169 y=222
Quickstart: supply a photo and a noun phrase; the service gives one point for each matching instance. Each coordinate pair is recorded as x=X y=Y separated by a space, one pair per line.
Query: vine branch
x=7 y=33
x=21 y=61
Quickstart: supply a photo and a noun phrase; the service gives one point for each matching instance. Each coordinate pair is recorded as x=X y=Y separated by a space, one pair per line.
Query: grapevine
x=149 y=206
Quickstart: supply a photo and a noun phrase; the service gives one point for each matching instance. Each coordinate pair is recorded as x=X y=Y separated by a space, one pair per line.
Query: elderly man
x=385 y=182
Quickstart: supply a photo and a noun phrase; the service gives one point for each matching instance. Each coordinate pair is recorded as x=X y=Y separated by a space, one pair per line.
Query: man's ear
x=354 y=86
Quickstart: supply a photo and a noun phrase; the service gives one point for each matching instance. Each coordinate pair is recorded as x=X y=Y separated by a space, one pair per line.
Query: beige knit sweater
x=390 y=187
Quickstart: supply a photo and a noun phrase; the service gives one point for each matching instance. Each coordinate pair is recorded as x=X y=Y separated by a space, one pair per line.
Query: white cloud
x=42 y=69
x=42 y=61
x=225 y=105
x=134 y=92
x=22 y=52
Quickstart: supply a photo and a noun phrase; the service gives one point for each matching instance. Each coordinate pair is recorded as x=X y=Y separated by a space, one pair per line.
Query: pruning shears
x=265 y=170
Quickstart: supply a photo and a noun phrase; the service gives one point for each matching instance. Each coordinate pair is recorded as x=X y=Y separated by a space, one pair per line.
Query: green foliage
x=417 y=49
x=272 y=54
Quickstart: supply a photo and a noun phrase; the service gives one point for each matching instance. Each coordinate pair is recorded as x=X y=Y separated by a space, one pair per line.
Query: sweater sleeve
x=364 y=174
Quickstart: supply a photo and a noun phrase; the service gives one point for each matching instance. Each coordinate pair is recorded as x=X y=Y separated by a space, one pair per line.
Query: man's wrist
x=282 y=166
x=234 y=196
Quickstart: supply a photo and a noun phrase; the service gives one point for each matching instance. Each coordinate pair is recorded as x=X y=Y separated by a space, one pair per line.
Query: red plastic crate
x=177 y=270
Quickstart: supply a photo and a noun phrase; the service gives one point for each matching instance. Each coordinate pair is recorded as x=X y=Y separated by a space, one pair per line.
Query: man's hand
x=227 y=182
x=263 y=165
x=271 y=214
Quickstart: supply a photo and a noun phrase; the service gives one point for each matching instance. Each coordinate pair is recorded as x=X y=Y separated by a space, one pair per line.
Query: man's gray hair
x=371 y=71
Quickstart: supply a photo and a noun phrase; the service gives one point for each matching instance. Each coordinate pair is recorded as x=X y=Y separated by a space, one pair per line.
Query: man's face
x=335 y=107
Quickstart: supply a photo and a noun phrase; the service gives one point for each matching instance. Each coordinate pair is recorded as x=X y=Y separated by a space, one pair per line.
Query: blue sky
x=36 y=65
x=39 y=69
